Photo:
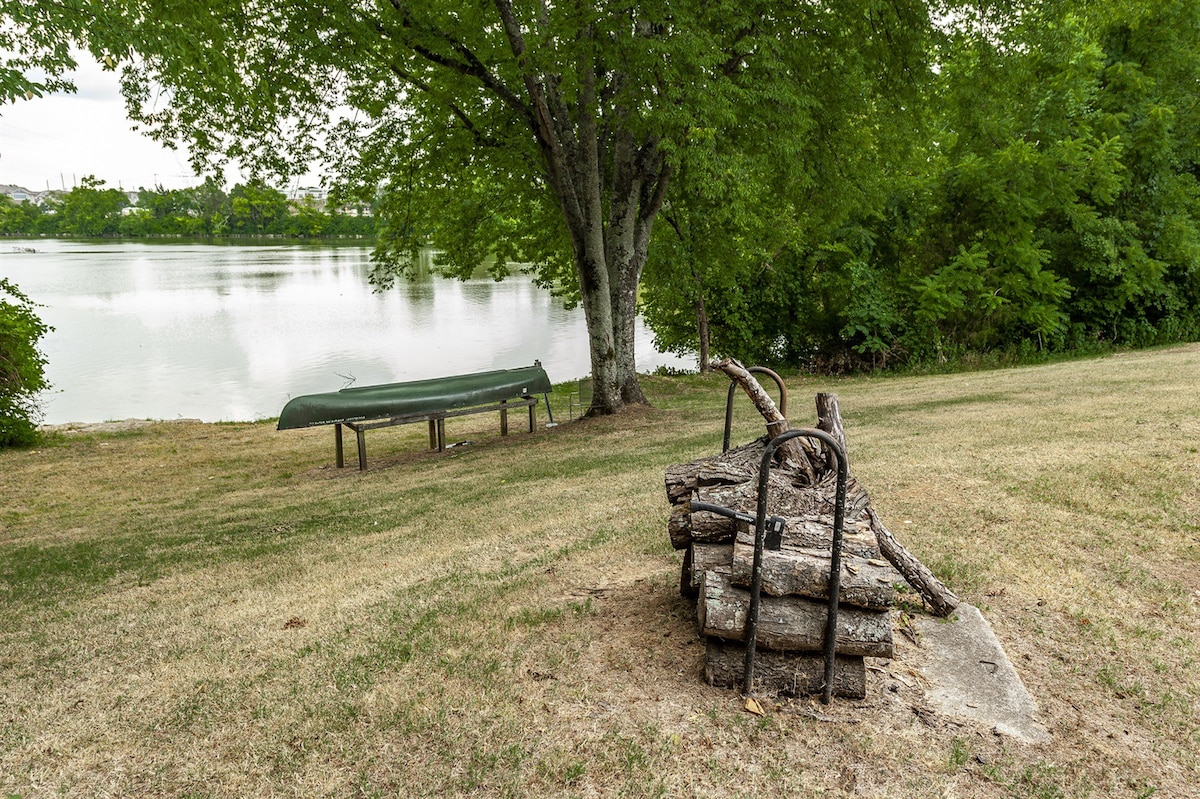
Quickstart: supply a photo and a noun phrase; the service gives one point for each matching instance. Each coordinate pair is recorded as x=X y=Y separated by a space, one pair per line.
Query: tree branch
x=480 y=137
x=470 y=65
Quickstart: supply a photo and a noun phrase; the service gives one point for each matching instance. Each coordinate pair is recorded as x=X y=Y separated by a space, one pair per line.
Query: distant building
x=20 y=194
x=308 y=192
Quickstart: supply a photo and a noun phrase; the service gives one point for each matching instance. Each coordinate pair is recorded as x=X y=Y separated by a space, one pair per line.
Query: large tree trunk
x=610 y=187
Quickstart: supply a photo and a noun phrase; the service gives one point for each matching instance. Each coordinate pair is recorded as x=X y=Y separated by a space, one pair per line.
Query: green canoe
x=415 y=397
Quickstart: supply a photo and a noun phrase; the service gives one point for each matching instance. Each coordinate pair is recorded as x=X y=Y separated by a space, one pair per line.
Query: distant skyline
x=54 y=141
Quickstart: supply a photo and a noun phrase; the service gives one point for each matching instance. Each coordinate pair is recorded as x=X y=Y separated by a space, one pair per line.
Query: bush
x=22 y=366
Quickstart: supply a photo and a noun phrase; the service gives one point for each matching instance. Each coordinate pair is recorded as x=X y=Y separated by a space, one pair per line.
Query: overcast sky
x=54 y=141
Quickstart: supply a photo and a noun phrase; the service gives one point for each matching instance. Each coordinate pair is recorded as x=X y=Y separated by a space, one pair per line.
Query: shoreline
x=118 y=426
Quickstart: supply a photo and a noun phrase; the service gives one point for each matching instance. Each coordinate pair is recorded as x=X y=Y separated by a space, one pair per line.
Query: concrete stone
x=970 y=676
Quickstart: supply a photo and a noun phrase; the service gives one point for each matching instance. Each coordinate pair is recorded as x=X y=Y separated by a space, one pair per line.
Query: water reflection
x=225 y=332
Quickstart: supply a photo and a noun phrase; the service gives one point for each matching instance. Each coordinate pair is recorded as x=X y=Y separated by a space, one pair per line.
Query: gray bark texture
x=865 y=582
x=610 y=186
x=783 y=673
x=790 y=623
x=700 y=559
x=941 y=600
x=801 y=455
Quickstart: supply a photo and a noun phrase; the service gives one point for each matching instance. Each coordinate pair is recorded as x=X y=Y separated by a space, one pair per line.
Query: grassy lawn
x=214 y=610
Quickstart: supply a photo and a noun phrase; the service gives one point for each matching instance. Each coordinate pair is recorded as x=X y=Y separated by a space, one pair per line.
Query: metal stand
x=835 y=558
x=754 y=370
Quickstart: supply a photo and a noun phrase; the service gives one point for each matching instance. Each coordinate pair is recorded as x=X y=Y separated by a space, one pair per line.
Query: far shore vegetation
x=94 y=210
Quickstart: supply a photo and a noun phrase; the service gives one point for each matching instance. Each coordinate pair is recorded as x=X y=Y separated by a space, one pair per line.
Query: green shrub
x=22 y=365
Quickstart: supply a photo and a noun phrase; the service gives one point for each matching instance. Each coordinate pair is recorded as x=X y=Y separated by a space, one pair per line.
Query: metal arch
x=835 y=558
x=754 y=370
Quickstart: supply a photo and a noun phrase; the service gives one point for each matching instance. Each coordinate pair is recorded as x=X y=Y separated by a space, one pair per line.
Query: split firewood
x=738 y=465
x=865 y=582
x=790 y=623
x=702 y=558
x=807 y=514
x=787 y=673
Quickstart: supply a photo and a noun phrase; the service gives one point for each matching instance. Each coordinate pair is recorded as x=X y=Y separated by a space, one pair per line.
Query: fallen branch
x=941 y=600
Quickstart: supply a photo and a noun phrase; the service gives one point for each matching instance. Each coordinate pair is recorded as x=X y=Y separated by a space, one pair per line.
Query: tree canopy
x=1044 y=198
x=804 y=184
x=539 y=133
x=22 y=367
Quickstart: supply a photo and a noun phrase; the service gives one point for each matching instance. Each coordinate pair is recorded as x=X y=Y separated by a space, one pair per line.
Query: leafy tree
x=536 y=132
x=35 y=47
x=255 y=208
x=89 y=209
x=306 y=220
x=1052 y=202
x=212 y=204
x=21 y=367
x=20 y=219
x=755 y=215
x=1066 y=208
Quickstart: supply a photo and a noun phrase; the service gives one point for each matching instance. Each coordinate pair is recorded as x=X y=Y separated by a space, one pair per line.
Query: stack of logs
x=719 y=556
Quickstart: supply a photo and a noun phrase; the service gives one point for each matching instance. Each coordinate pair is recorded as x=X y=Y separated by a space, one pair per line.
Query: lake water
x=231 y=332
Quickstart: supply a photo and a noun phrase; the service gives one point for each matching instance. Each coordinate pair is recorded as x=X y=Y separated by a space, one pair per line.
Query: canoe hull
x=412 y=398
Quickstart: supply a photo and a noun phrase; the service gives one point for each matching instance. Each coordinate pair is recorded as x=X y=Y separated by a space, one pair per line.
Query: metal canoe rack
x=835 y=558
x=774 y=526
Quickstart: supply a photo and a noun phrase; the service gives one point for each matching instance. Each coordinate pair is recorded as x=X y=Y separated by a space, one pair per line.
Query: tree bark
x=782 y=673
x=790 y=623
x=738 y=465
x=864 y=583
x=701 y=558
x=829 y=419
x=798 y=453
x=810 y=531
x=610 y=185
x=941 y=600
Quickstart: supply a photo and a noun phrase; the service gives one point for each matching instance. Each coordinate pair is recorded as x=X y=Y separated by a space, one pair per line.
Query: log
x=701 y=558
x=941 y=600
x=734 y=473
x=829 y=419
x=784 y=497
x=808 y=516
x=865 y=582
x=782 y=673
x=790 y=623
x=738 y=465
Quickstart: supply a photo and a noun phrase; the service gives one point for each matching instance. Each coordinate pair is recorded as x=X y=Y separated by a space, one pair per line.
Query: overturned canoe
x=413 y=398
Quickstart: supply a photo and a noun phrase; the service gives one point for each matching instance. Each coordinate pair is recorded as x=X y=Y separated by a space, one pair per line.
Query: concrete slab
x=970 y=675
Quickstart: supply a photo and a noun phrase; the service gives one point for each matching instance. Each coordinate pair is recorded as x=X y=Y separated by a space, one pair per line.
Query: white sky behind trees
x=54 y=141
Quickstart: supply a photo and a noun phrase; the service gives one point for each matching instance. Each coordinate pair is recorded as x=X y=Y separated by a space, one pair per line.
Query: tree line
x=254 y=208
x=1038 y=192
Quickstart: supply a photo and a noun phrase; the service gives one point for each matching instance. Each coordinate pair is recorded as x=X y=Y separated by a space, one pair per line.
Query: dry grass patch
x=215 y=610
